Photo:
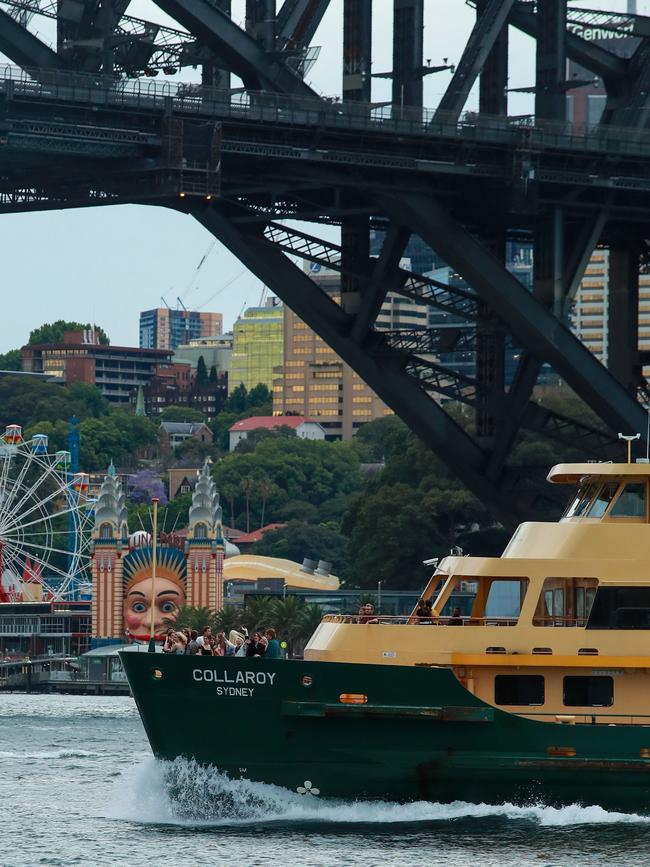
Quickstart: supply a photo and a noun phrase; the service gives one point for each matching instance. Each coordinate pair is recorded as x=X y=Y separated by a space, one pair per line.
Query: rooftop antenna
x=629 y=439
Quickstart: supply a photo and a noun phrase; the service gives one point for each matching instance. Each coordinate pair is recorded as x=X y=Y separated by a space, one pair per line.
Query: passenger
x=220 y=646
x=192 y=645
x=206 y=649
x=456 y=618
x=367 y=614
x=423 y=611
x=273 y=648
x=236 y=643
x=206 y=632
x=180 y=643
x=168 y=646
x=255 y=647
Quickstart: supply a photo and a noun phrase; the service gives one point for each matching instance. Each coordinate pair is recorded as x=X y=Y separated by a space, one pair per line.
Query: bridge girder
x=460 y=186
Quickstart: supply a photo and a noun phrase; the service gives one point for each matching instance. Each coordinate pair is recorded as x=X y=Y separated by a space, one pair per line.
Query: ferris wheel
x=45 y=520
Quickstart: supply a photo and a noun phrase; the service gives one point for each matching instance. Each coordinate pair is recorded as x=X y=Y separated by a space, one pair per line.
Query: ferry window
x=519 y=689
x=582 y=499
x=588 y=691
x=620 y=608
x=630 y=502
x=603 y=499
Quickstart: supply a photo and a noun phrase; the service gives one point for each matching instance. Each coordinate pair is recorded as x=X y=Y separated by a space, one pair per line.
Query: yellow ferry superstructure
x=579 y=648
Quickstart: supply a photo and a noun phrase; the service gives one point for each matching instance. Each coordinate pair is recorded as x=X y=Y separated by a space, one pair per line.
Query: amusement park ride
x=45 y=519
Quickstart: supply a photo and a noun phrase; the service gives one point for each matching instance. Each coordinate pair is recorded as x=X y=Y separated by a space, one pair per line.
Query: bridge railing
x=138 y=94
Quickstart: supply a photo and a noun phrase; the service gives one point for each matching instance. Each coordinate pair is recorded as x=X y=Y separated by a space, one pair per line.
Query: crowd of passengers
x=188 y=642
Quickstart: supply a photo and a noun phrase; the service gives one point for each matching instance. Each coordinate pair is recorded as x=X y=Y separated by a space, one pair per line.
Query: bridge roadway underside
x=462 y=186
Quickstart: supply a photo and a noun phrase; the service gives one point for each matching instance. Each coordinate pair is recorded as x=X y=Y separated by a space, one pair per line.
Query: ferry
x=547 y=701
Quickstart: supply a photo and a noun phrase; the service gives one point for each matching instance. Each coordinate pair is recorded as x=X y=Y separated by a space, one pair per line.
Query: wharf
x=56 y=675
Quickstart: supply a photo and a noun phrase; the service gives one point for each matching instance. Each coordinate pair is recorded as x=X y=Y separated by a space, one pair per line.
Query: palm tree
x=310 y=617
x=192 y=617
x=227 y=618
x=265 y=488
x=247 y=488
x=229 y=494
x=257 y=612
x=286 y=617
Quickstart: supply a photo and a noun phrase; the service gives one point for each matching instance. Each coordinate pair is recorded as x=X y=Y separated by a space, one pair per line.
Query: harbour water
x=78 y=785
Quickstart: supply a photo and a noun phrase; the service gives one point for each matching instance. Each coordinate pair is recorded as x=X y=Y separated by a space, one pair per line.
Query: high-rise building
x=215 y=351
x=314 y=381
x=590 y=312
x=164 y=328
x=257 y=346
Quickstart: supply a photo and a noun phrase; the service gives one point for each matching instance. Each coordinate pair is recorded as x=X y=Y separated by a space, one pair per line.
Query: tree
x=259 y=395
x=237 y=400
x=286 y=618
x=257 y=612
x=192 y=617
x=310 y=618
x=213 y=378
x=229 y=494
x=247 y=487
x=227 y=618
x=119 y=437
x=147 y=484
x=11 y=360
x=53 y=332
x=308 y=470
x=181 y=413
x=265 y=487
x=299 y=540
x=201 y=372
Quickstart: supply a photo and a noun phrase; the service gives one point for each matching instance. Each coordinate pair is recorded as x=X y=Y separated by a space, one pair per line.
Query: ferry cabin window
x=630 y=502
x=519 y=689
x=588 y=691
x=580 y=502
x=620 y=608
x=603 y=499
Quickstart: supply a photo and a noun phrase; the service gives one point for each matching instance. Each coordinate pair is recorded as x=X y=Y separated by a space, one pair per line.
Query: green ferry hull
x=419 y=736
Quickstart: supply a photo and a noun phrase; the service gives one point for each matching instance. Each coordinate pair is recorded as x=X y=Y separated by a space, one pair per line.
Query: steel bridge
x=86 y=122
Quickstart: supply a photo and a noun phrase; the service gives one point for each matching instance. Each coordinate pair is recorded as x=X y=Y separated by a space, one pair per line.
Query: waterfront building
x=164 y=328
x=42 y=628
x=257 y=347
x=117 y=371
x=305 y=428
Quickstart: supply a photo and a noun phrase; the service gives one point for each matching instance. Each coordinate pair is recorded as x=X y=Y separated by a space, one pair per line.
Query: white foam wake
x=48 y=754
x=185 y=793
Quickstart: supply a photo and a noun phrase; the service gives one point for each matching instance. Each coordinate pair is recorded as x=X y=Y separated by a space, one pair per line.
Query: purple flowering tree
x=145 y=485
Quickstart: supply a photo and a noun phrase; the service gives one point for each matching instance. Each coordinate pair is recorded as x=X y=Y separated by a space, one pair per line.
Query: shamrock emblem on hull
x=307 y=789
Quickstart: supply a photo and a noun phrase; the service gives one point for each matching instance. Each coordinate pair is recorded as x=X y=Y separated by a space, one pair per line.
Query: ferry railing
x=559 y=621
x=410 y=620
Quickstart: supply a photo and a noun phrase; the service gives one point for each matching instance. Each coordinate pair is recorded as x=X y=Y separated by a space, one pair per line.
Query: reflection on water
x=79 y=786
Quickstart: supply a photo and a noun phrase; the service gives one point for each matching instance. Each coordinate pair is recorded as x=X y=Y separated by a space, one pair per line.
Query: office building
x=117 y=371
x=164 y=328
x=314 y=381
x=257 y=346
x=216 y=352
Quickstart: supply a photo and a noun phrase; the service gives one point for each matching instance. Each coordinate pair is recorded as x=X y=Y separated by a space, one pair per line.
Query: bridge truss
x=86 y=122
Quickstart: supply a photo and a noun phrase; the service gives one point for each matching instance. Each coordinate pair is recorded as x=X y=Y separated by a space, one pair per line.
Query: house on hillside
x=305 y=428
x=174 y=433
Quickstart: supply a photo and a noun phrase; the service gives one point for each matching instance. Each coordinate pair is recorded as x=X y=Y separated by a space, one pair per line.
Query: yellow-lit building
x=590 y=314
x=257 y=346
x=313 y=381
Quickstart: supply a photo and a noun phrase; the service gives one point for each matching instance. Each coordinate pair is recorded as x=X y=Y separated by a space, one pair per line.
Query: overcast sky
x=106 y=264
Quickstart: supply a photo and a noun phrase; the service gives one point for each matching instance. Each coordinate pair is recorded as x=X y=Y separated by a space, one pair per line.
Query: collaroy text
x=260 y=678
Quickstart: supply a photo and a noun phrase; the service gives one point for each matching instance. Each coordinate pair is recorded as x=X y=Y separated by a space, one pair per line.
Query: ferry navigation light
x=629 y=439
